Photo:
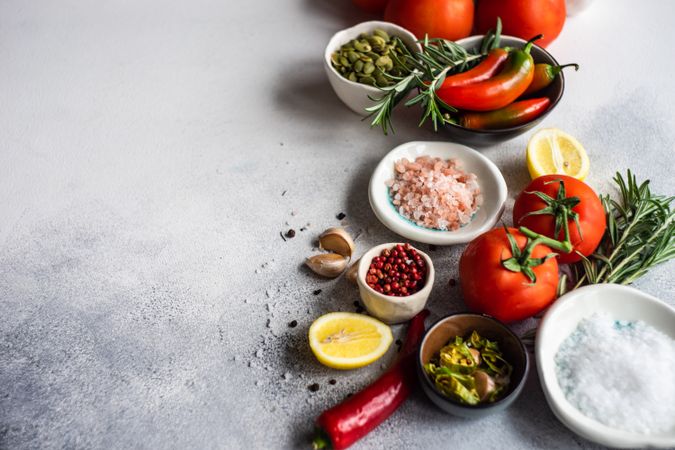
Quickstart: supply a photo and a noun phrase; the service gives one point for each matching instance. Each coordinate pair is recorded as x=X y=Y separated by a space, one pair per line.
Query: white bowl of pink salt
x=438 y=193
x=606 y=361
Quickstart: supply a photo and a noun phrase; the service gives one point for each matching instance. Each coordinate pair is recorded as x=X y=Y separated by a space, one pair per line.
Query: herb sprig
x=428 y=69
x=640 y=235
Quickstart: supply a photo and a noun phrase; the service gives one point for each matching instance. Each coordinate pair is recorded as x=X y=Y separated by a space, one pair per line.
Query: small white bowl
x=490 y=180
x=385 y=307
x=355 y=95
x=621 y=303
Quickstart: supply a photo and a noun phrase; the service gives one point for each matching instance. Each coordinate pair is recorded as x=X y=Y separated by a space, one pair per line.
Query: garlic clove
x=475 y=354
x=485 y=384
x=337 y=240
x=353 y=272
x=328 y=265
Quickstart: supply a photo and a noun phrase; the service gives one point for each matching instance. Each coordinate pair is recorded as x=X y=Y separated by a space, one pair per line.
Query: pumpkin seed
x=362 y=46
x=370 y=57
x=381 y=33
x=368 y=68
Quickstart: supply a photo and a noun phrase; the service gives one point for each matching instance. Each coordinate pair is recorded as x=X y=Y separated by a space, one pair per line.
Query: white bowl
x=385 y=307
x=490 y=180
x=621 y=303
x=353 y=94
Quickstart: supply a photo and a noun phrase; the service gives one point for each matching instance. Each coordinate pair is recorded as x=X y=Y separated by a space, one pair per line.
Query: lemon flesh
x=348 y=340
x=552 y=151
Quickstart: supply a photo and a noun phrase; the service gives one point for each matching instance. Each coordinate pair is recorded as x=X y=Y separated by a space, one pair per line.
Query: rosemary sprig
x=640 y=235
x=428 y=69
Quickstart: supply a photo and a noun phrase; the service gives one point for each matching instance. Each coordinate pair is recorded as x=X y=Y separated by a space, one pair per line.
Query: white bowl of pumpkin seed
x=357 y=58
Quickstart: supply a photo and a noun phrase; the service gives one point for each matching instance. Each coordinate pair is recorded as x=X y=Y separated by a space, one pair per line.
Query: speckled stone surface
x=150 y=155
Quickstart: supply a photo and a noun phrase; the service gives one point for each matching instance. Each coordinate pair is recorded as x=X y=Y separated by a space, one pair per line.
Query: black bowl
x=482 y=138
x=461 y=324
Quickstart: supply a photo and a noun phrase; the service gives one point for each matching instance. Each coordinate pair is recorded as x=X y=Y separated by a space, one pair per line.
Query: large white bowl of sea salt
x=603 y=350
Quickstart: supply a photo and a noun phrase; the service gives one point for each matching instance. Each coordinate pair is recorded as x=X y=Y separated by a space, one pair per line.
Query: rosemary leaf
x=640 y=235
x=426 y=72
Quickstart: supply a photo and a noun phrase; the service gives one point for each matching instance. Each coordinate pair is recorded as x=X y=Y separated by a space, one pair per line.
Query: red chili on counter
x=345 y=423
x=398 y=272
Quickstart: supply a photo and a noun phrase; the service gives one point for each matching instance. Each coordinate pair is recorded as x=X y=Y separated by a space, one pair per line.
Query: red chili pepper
x=346 y=423
x=544 y=74
x=514 y=114
x=487 y=68
x=495 y=92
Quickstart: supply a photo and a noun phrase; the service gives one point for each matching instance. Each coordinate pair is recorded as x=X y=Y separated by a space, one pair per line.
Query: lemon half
x=552 y=151
x=347 y=340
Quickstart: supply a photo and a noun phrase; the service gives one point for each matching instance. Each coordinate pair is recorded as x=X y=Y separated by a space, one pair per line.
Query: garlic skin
x=337 y=240
x=329 y=265
x=353 y=272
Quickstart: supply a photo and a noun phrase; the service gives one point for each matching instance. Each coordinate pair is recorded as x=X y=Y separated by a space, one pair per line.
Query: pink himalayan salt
x=434 y=193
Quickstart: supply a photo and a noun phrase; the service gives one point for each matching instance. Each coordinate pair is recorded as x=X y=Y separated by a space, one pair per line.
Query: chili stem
x=321 y=441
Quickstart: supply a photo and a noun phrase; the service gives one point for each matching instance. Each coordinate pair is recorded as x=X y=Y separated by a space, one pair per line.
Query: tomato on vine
x=563 y=208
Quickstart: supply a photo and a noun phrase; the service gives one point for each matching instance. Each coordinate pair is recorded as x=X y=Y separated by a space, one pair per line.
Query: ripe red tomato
x=371 y=6
x=449 y=19
x=592 y=220
x=489 y=288
x=523 y=18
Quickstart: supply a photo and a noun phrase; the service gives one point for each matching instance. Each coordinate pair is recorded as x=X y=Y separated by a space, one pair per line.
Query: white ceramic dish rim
x=564 y=410
x=343 y=36
x=367 y=257
x=385 y=212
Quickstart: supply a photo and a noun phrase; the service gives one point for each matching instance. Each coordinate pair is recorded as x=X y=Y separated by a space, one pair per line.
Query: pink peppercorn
x=397 y=272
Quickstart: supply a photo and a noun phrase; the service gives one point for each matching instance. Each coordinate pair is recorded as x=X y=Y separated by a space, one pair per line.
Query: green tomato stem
x=565 y=247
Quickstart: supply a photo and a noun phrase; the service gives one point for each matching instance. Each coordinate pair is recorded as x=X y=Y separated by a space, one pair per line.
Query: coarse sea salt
x=620 y=373
x=434 y=193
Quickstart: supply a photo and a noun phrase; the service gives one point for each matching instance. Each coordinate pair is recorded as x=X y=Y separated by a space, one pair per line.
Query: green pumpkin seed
x=381 y=33
x=381 y=79
x=369 y=58
x=362 y=46
x=368 y=68
x=385 y=63
x=377 y=42
x=367 y=80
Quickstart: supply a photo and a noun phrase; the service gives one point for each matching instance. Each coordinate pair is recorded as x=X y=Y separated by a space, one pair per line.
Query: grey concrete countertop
x=150 y=154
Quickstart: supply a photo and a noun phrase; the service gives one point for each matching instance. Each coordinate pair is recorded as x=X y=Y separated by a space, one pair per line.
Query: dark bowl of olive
x=471 y=365
x=554 y=92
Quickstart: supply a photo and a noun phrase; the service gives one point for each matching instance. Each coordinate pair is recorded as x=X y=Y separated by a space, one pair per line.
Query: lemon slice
x=347 y=340
x=552 y=151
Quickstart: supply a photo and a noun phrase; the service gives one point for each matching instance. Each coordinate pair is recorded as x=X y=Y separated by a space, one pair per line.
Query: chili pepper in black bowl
x=498 y=91
x=544 y=75
x=349 y=421
x=493 y=62
x=515 y=114
x=555 y=91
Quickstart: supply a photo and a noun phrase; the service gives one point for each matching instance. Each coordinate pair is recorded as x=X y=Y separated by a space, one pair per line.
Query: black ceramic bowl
x=462 y=324
x=482 y=138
